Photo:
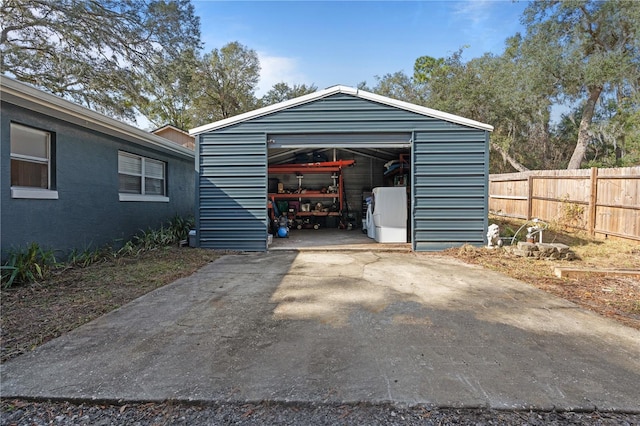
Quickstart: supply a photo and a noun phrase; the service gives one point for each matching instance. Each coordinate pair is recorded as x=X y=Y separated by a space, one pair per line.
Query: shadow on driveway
x=342 y=327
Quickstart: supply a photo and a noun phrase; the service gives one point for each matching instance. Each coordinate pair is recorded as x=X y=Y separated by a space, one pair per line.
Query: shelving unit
x=399 y=176
x=330 y=167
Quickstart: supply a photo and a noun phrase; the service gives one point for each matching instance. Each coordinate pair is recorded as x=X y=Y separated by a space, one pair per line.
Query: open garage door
x=370 y=151
x=340 y=140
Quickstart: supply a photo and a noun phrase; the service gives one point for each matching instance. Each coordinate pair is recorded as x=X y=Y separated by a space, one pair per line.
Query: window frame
x=32 y=192
x=142 y=196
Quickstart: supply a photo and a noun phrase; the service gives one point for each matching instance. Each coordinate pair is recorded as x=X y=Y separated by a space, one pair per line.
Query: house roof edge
x=21 y=94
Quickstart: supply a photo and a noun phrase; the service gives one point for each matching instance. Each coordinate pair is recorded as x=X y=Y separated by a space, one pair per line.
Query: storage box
x=283 y=206
x=295 y=206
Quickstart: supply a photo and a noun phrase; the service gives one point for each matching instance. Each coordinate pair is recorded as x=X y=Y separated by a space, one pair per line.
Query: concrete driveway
x=343 y=327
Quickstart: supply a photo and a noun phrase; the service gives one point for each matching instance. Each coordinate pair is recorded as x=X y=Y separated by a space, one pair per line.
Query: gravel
x=19 y=412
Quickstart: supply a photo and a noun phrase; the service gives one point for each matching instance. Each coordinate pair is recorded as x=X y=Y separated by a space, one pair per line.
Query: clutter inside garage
x=364 y=192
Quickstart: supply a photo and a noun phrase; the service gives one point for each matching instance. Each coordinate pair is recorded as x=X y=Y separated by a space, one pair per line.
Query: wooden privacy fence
x=600 y=201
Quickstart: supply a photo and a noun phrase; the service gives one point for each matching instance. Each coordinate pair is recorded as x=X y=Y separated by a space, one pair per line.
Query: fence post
x=530 y=197
x=593 y=201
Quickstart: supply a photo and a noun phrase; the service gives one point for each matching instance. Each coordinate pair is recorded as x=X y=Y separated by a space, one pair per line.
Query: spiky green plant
x=27 y=265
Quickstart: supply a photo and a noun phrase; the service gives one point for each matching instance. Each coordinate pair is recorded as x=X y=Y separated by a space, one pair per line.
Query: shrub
x=180 y=227
x=28 y=265
x=176 y=230
x=88 y=256
x=34 y=263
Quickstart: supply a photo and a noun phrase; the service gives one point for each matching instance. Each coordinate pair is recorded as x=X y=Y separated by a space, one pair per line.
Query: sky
x=326 y=43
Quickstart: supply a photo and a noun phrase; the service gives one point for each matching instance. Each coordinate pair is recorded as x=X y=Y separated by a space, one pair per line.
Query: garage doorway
x=326 y=208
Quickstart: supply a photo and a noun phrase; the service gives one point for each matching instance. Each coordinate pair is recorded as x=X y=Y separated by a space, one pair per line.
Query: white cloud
x=479 y=26
x=277 y=69
x=476 y=11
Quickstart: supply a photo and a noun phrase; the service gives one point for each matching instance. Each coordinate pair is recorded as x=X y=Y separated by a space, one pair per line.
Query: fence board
x=601 y=201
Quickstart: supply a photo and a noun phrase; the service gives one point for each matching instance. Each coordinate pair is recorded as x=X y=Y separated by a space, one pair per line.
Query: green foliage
x=399 y=86
x=96 y=53
x=34 y=263
x=589 y=48
x=180 y=227
x=281 y=92
x=176 y=230
x=28 y=265
x=427 y=66
x=227 y=79
x=167 y=92
x=579 y=52
x=88 y=256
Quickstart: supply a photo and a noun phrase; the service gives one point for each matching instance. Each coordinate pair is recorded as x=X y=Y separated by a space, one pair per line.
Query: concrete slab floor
x=328 y=239
x=339 y=327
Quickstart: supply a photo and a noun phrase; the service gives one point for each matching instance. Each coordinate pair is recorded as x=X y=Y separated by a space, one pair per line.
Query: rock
x=521 y=253
x=561 y=248
x=554 y=255
x=546 y=249
x=522 y=245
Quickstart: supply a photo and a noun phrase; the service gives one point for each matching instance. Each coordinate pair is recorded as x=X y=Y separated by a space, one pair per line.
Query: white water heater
x=389 y=211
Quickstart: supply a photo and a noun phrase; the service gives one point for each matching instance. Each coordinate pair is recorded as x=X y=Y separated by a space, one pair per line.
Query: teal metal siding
x=232 y=182
x=449 y=170
x=449 y=188
x=340 y=114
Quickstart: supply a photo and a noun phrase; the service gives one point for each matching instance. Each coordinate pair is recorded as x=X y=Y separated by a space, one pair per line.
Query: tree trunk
x=583 y=130
x=514 y=163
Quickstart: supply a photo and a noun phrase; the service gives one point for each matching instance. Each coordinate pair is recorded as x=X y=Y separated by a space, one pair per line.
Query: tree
x=495 y=90
x=589 y=47
x=425 y=67
x=281 y=92
x=94 y=52
x=167 y=93
x=398 y=86
x=227 y=79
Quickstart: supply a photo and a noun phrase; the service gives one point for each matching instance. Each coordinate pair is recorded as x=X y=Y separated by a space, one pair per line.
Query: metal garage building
x=448 y=174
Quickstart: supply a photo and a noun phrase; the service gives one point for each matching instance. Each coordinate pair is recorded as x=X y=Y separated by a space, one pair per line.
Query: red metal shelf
x=302 y=195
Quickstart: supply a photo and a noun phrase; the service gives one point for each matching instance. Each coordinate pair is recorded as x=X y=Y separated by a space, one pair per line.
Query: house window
x=141 y=178
x=31 y=163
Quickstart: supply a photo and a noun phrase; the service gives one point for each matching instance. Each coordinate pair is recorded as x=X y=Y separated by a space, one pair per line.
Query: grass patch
x=36 y=313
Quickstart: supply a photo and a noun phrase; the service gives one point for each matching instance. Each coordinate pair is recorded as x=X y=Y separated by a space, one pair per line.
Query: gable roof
x=334 y=90
x=169 y=127
x=26 y=96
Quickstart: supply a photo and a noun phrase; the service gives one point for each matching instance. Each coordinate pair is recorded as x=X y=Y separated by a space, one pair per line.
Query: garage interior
x=323 y=192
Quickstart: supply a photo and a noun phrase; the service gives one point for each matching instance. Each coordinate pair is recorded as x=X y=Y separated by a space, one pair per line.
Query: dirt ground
x=34 y=314
x=616 y=297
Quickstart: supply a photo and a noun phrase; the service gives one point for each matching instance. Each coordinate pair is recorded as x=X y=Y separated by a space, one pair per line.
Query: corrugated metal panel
x=449 y=188
x=449 y=169
x=341 y=114
x=232 y=212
